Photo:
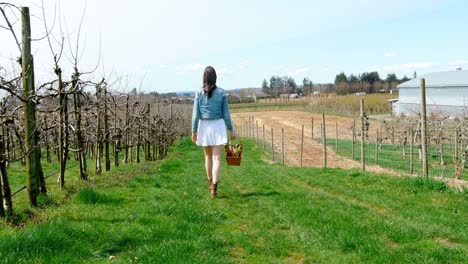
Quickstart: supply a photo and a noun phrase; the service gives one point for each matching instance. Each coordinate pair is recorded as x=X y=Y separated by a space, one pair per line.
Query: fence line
x=388 y=145
x=45 y=178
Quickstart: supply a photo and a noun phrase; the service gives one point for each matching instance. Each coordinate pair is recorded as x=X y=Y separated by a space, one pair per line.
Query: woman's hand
x=233 y=135
x=194 y=138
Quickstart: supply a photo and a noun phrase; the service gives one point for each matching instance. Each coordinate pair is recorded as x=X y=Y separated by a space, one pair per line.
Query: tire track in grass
x=267 y=210
x=344 y=199
x=384 y=212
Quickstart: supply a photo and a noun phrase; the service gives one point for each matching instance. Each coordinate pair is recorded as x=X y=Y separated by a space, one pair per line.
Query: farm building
x=286 y=96
x=446 y=94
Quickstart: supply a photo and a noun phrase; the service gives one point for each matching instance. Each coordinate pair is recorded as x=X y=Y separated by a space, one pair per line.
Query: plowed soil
x=292 y=122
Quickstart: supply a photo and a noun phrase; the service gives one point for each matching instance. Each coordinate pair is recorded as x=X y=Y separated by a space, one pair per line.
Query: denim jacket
x=215 y=107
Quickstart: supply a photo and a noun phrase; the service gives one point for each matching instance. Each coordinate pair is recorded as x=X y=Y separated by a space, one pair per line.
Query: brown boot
x=210 y=183
x=214 y=190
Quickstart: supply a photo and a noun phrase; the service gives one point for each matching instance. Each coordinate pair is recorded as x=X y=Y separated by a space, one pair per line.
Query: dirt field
x=292 y=122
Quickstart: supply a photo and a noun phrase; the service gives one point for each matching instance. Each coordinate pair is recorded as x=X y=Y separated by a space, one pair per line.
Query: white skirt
x=211 y=132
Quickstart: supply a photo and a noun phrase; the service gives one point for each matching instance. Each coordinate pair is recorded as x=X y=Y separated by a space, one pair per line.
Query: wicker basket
x=231 y=160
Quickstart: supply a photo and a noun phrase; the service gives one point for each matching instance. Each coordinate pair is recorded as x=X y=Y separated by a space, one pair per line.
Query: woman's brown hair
x=209 y=80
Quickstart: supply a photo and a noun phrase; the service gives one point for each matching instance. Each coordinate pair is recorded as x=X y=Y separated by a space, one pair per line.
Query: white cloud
x=298 y=71
x=192 y=68
x=376 y=68
x=162 y=66
x=458 y=63
x=302 y=70
x=244 y=64
x=225 y=70
x=409 y=66
x=401 y=69
x=390 y=54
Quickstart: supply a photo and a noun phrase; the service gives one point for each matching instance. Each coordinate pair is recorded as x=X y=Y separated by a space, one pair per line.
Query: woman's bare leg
x=209 y=162
x=216 y=152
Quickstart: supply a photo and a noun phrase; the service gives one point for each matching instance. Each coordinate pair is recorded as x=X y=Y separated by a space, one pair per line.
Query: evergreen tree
x=290 y=85
x=353 y=79
x=307 y=86
x=265 y=87
x=370 y=77
x=341 y=78
x=404 y=79
x=391 y=77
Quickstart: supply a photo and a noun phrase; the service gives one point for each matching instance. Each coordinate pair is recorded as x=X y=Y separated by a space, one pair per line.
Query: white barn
x=446 y=94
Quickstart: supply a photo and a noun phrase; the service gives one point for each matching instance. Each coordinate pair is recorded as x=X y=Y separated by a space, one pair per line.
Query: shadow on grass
x=90 y=196
x=259 y=194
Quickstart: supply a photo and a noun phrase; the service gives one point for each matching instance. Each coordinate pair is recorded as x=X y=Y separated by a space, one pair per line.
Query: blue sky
x=167 y=44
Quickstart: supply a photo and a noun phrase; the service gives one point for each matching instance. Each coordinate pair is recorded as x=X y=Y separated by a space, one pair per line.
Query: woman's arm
x=227 y=117
x=195 y=114
x=226 y=114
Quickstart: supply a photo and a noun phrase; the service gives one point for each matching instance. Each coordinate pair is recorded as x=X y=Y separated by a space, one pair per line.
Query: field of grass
x=390 y=156
x=341 y=105
x=161 y=213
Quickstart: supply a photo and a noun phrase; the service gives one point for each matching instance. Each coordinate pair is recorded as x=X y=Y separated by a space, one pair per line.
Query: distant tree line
x=279 y=85
x=135 y=92
x=368 y=82
x=307 y=86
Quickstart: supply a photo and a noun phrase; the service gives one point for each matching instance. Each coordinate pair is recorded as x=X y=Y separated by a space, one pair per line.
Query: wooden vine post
x=302 y=143
x=33 y=161
x=456 y=161
x=411 y=150
x=263 y=129
x=246 y=129
x=46 y=139
x=5 y=191
x=148 y=135
x=63 y=127
x=456 y=144
x=312 y=128
x=249 y=127
x=98 y=165
x=424 y=129
x=256 y=139
x=354 y=137
x=282 y=146
x=78 y=133
x=127 y=129
x=161 y=152
x=117 y=137
x=377 y=148
x=363 y=151
x=336 y=141
x=106 y=130
x=324 y=141
x=272 y=147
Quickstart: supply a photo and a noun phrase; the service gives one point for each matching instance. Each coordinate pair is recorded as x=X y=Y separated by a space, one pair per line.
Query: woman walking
x=210 y=117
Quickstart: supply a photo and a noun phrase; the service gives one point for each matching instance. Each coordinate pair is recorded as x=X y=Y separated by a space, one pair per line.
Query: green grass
x=161 y=213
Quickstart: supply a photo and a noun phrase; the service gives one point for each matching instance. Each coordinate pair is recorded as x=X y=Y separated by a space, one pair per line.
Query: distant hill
x=185 y=93
x=232 y=91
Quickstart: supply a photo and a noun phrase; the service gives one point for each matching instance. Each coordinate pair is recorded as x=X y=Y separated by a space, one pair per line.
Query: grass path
x=161 y=213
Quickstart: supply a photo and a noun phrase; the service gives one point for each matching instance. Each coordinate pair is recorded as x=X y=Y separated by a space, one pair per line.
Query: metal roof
x=439 y=79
